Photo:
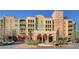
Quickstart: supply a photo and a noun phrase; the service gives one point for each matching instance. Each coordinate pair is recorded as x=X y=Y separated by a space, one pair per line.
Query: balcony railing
x=22 y=31
x=71 y=27
x=22 y=25
x=22 y=22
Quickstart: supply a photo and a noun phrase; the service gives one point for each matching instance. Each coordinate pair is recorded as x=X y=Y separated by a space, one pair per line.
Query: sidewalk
x=24 y=46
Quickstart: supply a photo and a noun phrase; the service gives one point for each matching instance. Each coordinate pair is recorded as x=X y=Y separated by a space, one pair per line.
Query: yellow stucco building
x=41 y=27
x=39 y=23
x=69 y=27
x=9 y=24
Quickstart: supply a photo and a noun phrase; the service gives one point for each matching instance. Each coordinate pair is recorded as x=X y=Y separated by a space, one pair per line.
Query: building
x=44 y=36
x=69 y=27
x=58 y=20
x=9 y=24
x=49 y=24
x=30 y=24
x=22 y=26
x=41 y=28
x=45 y=28
x=77 y=26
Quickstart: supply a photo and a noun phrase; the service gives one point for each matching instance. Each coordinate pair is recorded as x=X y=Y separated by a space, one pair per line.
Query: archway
x=44 y=38
x=50 y=38
x=39 y=37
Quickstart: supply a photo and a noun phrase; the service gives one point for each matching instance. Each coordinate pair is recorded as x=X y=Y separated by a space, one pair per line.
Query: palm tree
x=57 y=34
x=14 y=35
x=30 y=35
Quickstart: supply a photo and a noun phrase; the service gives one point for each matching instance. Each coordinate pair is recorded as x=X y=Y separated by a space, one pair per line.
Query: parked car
x=8 y=42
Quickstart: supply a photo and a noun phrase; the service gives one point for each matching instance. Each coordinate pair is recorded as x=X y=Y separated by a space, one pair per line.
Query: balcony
x=22 y=25
x=71 y=31
x=22 y=31
x=30 y=27
x=71 y=23
x=70 y=34
x=22 y=28
x=71 y=27
x=22 y=22
x=30 y=22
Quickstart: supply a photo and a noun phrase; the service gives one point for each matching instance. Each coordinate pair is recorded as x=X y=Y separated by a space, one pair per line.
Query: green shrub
x=1 y=40
x=32 y=42
x=61 y=41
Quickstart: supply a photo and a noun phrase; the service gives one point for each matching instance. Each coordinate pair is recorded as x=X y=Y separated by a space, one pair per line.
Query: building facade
x=30 y=24
x=58 y=16
x=9 y=24
x=42 y=28
x=69 y=27
x=22 y=26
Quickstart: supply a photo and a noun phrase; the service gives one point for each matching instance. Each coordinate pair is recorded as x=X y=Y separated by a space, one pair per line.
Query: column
x=47 y=41
x=42 y=38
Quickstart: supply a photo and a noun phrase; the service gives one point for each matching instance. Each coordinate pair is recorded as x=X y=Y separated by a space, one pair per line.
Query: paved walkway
x=25 y=46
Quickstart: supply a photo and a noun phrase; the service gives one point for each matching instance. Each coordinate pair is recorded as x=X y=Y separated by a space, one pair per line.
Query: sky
x=71 y=14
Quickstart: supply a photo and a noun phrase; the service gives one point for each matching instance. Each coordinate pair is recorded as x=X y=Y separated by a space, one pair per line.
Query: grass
x=32 y=42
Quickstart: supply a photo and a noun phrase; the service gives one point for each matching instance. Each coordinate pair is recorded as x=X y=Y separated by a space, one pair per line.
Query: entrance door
x=39 y=38
x=44 y=38
x=50 y=38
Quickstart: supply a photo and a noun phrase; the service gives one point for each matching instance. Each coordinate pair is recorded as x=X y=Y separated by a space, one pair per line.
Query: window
x=50 y=25
x=6 y=29
x=46 y=25
x=50 y=22
x=6 y=20
x=6 y=25
x=69 y=34
x=50 y=29
x=16 y=20
x=33 y=25
x=11 y=20
x=10 y=24
x=70 y=29
x=22 y=25
x=16 y=24
x=69 y=38
x=64 y=26
x=46 y=29
x=70 y=21
x=11 y=29
x=33 y=21
x=70 y=25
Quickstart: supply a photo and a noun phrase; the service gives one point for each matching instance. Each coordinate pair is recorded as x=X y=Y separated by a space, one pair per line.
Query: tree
x=14 y=35
x=30 y=35
x=1 y=40
x=57 y=35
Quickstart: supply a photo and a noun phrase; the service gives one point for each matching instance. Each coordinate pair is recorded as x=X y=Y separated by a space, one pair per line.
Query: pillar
x=47 y=41
x=42 y=38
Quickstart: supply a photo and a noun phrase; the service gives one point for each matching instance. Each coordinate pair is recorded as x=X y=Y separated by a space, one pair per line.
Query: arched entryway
x=44 y=38
x=50 y=38
x=39 y=37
